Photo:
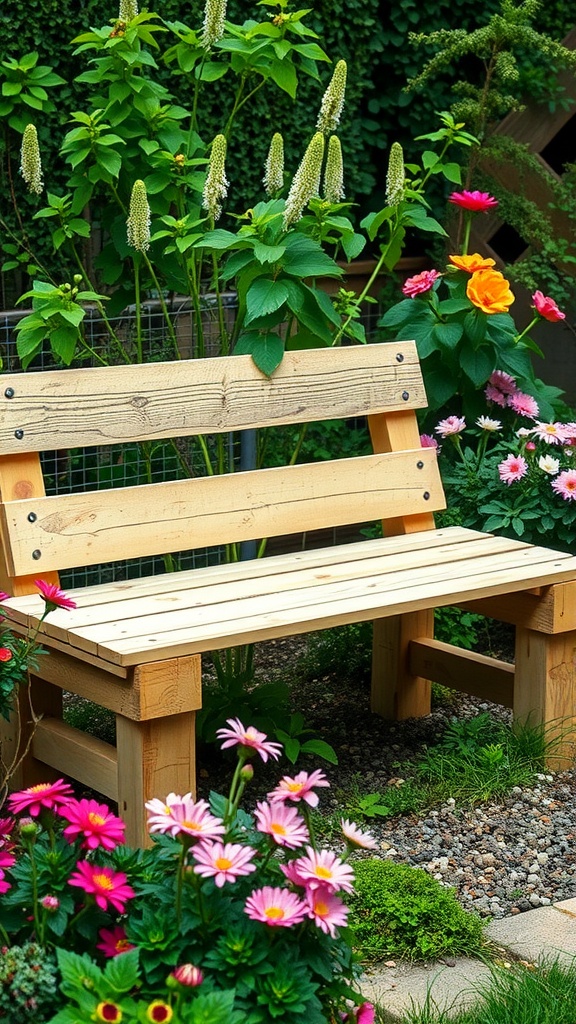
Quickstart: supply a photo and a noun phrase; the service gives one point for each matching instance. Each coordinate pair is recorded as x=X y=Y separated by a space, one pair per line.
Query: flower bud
x=216 y=186
x=28 y=828
x=128 y=10
x=188 y=975
x=274 y=168
x=247 y=772
x=306 y=181
x=30 y=163
x=395 y=178
x=138 y=223
x=333 y=100
x=334 y=172
x=50 y=903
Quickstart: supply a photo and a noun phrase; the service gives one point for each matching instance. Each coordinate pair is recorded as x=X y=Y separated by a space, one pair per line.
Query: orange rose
x=472 y=263
x=490 y=291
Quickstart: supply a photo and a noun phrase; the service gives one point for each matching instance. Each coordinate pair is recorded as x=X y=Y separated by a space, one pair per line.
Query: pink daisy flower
x=523 y=404
x=326 y=910
x=291 y=872
x=301 y=787
x=427 y=441
x=276 y=907
x=250 y=739
x=356 y=837
x=113 y=941
x=324 y=868
x=420 y=283
x=494 y=395
x=224 y=862
x=184 y=815
x=49 y=795
x=553 y=433
x=54 y=597
x=565 y=484
x=7 y=860
x=476 y=202
x=104 y=884
x=513 y=468
x=451 y=425
x=365 y=1014
x=283 y=823
x=93 y=821
x=547 y=308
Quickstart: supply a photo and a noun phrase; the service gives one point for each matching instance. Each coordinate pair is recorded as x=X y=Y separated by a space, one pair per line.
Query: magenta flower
x=365 y=1014
x=54 y=597
x=301 y=787
x=513 y=468
x=5 y=653
x=565 y=484
x=7 y=860
x=547 y=308
x=49 y=795
x=420 y=283
x=494 y=395
x=224 y=862
x=50 y=903
x=476 y=202
x=451 y=425
x=113 y=941
x=427 y=441
x=104 y=884
x=249 y=739
x=276 y=907
x=181 y=814
x=283 y=823
x=4 y=596
x=326 y=910
x=356 y=837
x=504 y=382
x=93 y=821
x=523 y=404
x=323 y=868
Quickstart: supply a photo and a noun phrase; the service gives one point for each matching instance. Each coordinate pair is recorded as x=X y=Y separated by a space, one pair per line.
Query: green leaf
x=400 y=313
x=109 y=159
x=477 y=364
x=305 y=258
x=122 y=972
x=321 y=749
x=353 y=245
x=63 y=343
x=11 y=88
x=475 y=327
x=284 y=75
x=448 y=335
x=264 y=296
x=75 y=315
x=267 y=350
x=452 y=172
x=211 y=72
x=268 y=253
x=218 y=239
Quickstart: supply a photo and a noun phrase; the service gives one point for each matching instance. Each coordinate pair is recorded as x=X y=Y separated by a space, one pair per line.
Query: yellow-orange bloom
x=490 y=291
x=472 y=263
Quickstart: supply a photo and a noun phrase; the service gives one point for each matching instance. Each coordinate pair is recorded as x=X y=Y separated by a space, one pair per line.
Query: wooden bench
x=135 y=646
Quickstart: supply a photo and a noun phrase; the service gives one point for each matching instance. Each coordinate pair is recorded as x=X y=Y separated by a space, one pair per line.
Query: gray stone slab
x=449 y=988
x=541 y=934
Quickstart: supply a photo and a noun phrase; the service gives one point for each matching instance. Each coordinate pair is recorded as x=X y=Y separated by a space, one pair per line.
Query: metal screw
x=32 y=517
x=399 y=357
x=19 y=434
x=36 y=555
x=426 y=495
x=405 y=395
x=9 y=393
x=420 y=465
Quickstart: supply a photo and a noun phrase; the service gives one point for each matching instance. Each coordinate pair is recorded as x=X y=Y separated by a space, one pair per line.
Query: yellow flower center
x=40 y=788
x=103 y=882
x=223 y=864
x=191 y=824
x=96 y=819
x=321 y=908
x=294 y=787
x=277 y=829
x=275 y=913
x=323 y=872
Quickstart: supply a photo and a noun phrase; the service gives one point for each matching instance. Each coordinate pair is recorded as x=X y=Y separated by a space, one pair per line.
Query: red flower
x=110 y=1013
x=54 y=597
x=159 y=1012
x=547 y=308
x=476 y=202
x=5 y=654
x=420 y=283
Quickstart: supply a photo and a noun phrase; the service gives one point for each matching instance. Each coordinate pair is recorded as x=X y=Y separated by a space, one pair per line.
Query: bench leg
x=395 y=693
x=545 y=688
x=16 y=735
x=155 y=758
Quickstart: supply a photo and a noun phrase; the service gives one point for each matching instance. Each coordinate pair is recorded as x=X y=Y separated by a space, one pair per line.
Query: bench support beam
x=396 y=693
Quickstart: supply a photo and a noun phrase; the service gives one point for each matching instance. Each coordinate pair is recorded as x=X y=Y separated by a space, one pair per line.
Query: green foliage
x=400 y=911
x=452 y=625
x=28 y=984
x=345 y=651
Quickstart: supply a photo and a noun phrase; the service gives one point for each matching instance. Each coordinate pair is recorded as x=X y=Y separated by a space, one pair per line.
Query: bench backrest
x=66 y=409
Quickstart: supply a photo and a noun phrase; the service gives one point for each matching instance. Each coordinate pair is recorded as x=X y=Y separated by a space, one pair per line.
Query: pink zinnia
x=513 y=468
x=547 y=308
x=224 y=862
x=324 y=868
x=503 y=381
x=184 y=815
x=301 y=787
x=283 y=823
x=494 y=395
x=427 y=441
x=93 y=821
x=420 y=283
x=106 y=885
x=7 y=860
x=54 y=597
x=326 y=910
x=365 y=1014
x=451 y=425
x=356 y=837
x=276 y=907
x=46 y=794
x=5 y=653
x=553 y=433
x=250 y=739
x=523 y=404
x=565 y=484
x=476 y=202
x=113 y=941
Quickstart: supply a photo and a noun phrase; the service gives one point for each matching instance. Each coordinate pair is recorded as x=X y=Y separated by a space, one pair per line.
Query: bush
x=400 y=911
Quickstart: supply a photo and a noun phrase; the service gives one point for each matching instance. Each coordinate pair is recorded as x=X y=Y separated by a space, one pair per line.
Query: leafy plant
x=28 y=984
x=400 y=911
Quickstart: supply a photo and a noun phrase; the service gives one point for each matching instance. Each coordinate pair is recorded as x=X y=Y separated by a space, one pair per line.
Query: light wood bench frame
x=135 y=647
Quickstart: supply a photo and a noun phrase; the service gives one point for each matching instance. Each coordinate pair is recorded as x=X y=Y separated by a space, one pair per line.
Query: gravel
x=501 y=858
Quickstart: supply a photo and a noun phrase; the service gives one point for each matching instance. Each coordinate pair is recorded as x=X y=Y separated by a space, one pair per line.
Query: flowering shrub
x=510 y=471
x=461 y=323
x=230 y=917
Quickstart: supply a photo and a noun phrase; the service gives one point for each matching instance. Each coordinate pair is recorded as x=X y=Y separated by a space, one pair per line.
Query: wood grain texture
x=545 y=693
x=487 y=678
x=78 y=755
x=106 y=405
x=130 y=522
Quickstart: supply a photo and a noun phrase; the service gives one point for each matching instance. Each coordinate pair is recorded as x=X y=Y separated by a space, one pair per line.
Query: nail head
x=19 y=434
x=36 y=555
x=9 y=393
x=32 y=517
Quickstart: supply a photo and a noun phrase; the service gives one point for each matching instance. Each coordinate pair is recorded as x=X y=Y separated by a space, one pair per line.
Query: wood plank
x=487 y=678
x=547 y=694
x=552 y=612
x=107 y=405
x=78 y=755
x=20 y=477
x=99 y=526
x=397 y=692
x=391 y=432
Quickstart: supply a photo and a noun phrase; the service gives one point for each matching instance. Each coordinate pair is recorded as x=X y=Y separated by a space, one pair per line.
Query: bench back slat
x=98 y=526
x=106 y=405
